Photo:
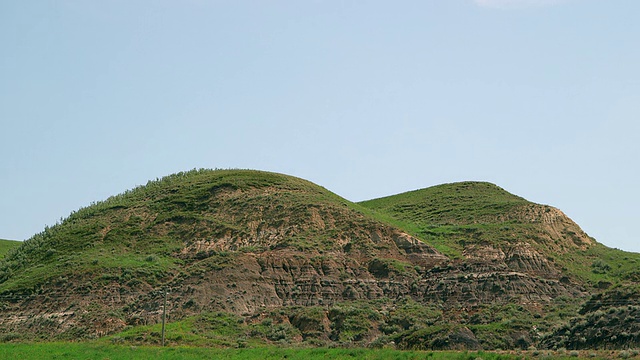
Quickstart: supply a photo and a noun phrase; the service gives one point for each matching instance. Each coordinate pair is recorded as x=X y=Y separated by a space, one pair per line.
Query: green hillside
x=251 y=258
x=444 y=215
x=458 y=218
x=457 y=203
x=455 y=216
x=6 y=245
x=236 y=241
x=143 y=228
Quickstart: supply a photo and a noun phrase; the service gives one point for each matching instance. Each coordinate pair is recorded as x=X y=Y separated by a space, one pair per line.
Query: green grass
x=444 y=215
x=59 y=350
x=205 y=329
x=448 y=204
x=115 y=352
x=6 y=245
x=602 y=266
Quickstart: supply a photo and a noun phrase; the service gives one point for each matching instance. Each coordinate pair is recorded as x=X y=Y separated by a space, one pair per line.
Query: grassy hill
x=441 y=213
x=459 y=203
x=253 y=258
x=456 y=217
x=460 y=218
x=142 y=229
x=6 y=245
x=158 y=228
x=237 y=241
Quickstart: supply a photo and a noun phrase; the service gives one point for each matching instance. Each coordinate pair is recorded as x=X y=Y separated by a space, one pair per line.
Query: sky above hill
x=368 y=99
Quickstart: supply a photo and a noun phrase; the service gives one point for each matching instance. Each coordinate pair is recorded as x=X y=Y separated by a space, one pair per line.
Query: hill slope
x=236 y=241
x=480 y=224
x=474 y=220
x=6 y=245
x=463 y=265
x=486 y=212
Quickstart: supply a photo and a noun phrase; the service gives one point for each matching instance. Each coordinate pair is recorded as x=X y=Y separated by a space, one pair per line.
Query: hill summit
x=464 y=265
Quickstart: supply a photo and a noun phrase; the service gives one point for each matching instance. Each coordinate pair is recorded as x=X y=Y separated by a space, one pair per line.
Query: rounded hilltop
x=459 y=203
x=169 y=212
x=482 y=212
x=281 y=241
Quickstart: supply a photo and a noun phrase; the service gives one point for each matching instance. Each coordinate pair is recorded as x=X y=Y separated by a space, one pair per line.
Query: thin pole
x=164 y=315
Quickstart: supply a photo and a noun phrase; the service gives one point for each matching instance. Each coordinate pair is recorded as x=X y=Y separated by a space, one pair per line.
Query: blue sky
x=367 y=99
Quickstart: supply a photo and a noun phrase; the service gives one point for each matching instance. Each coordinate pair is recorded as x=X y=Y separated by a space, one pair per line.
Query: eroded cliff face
x=386 y=263
x=554 y=230
x=395 y=266
x=367 y=262
x=518 y=257
x=389 y=264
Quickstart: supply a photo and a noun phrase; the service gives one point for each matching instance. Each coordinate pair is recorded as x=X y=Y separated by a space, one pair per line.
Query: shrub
x=9 y=337
x=600 y=267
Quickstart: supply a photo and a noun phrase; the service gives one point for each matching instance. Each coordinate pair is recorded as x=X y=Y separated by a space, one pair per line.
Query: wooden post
x=164 y=315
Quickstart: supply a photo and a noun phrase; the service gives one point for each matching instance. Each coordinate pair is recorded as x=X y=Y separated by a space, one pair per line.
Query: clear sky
x=366 y=98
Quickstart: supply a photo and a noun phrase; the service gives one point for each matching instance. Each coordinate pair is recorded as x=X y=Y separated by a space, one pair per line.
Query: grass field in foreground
x=62 y=350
